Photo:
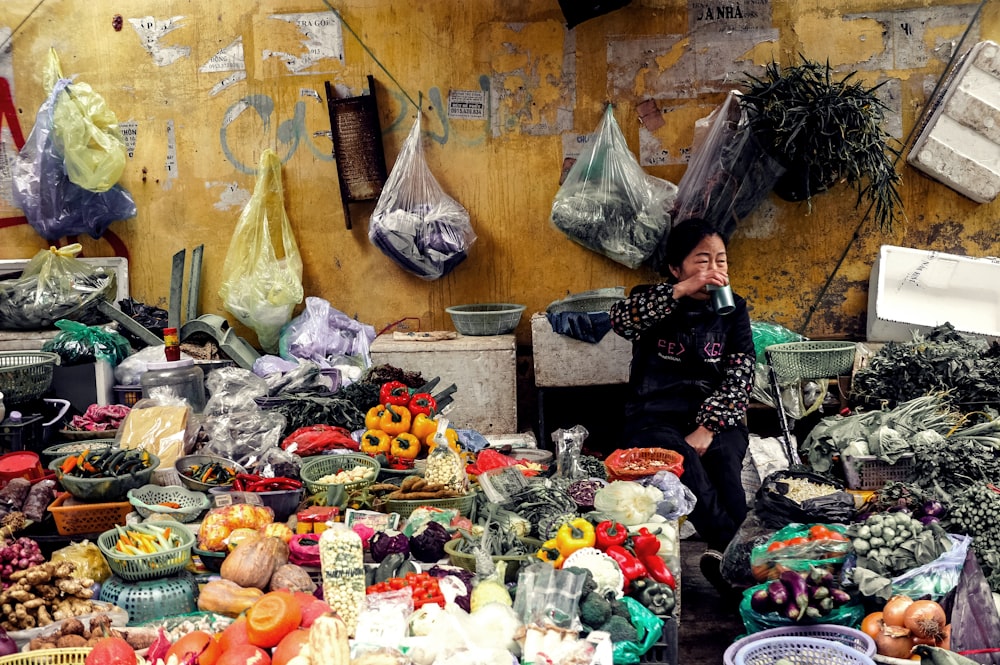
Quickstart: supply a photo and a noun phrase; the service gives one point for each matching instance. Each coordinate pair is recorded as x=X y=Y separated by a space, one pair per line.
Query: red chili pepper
x=394 y=392
x=631 y=567
x=423 y=403
x=658 y=570
x=238 y=484
x=610 y=533
x=645 y=543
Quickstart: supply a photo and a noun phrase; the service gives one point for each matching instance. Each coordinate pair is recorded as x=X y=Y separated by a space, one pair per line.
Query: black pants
x=714 y=477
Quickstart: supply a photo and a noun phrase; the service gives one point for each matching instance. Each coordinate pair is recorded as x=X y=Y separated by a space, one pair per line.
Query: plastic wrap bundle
x=609 y=204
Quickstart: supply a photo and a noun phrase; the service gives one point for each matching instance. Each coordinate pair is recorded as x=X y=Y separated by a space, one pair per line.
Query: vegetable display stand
x=664 y=652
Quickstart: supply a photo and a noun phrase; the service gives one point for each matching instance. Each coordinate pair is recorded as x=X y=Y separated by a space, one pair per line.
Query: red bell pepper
x=610 y=533
x=631 y=567
x=394 y=392
x=645 y=543
x=658 y=570
x=423 y=403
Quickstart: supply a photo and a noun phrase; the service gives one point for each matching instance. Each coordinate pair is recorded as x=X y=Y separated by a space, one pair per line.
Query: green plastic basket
x=324 y=465
x=463 y=504
x=146 y=500
x=811 y=360
x=147 y=566
x=25 y=375
x=485 y=319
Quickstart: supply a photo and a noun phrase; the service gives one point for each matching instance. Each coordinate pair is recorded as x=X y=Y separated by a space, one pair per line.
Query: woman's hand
x=696 y=284
x=700 y=439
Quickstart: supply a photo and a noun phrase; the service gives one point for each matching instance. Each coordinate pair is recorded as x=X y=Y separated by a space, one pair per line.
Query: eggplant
x=778 y=594
x=760 y=601
x=839 y=596
x=812 y=613
x=820 y=576
x=825 y=605
x=929 y=519
x=933 y=509
x=798 y=591
x=817 y=593
x=792 y=612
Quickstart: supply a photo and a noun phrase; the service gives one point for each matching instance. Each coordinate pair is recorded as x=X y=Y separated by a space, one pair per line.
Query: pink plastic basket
x=842 y=634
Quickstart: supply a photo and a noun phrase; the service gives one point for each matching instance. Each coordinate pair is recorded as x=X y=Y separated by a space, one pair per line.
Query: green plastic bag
x=78 y=344
x=849 y=615
x=829 y=553
x=650 y=629
x=259 y=286
x=86 y=132
x=765 y=334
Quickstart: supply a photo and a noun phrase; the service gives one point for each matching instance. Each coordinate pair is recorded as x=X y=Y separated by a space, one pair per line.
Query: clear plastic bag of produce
x=243 y=436
x=63 y=182
x=677 y=501
x=800 y=547
x=415 y=223
x=262 y=279
x=324 y=334
x=163 y=425
x=934 y=580
x=569 y=444
x=233 y=389
x=54 y=285
x=609 y=204
x=79 y=343
x=627 y=502
x=220 y=522
x=88 y=559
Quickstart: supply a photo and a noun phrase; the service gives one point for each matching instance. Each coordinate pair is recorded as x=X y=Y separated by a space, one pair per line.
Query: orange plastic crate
x=87 y=517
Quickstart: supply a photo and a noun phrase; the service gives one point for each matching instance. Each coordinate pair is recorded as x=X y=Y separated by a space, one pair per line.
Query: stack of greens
x=967 y=368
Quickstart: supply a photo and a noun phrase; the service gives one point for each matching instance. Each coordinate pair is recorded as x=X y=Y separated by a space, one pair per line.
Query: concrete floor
x=708 y=622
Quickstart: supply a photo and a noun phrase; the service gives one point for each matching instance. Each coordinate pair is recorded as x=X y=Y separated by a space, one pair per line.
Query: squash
x=292 y=578
x=253 y=562
x=226 y=597
x=278 y=529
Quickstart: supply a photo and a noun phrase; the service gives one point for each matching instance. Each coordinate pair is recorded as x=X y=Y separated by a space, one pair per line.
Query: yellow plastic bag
x=260 y=287
x=88 y=559
x=86 y=132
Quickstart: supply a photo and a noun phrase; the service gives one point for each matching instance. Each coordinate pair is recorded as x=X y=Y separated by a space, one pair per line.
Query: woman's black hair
x=682 y=240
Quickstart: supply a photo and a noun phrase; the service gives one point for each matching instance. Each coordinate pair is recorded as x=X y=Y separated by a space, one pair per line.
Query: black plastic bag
x=975 y=623
x=776 y=509
x=736 y=568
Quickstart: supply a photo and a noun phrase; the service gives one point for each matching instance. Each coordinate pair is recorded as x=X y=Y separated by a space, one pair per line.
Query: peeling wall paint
x=323 y=41
x=152 y=30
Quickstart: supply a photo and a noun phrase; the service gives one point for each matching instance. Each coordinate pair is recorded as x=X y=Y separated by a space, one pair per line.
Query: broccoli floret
x=589 y=586
x=594 y=609
x=620 y=609
x=620 y=630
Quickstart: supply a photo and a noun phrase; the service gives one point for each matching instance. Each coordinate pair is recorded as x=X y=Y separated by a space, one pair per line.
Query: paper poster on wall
x=151 y=30
x=467 y=104
x=322 y=40
x=130 y=130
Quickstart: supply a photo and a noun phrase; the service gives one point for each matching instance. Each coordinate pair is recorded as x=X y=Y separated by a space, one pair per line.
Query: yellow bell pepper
x=394 y=420
x=423 y=426
x=373 y=416
x=449 y=434
x=405 y=445
x=574 y=535
x=549 y=553
x=375 y=442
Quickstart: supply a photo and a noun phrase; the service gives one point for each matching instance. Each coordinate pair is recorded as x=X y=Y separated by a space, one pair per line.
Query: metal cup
x=722 y=299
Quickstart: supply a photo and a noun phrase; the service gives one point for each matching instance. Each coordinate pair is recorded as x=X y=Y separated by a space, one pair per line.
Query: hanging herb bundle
x=967 y=368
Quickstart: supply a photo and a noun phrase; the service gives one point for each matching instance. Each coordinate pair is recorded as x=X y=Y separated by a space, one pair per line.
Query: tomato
x=271 y=617
x=244 y=654
x=235 y=633
x=199 y=642
x=289 y=646
x=313 y=611
x=792 y=542
x=819 y=532
x=111 y=651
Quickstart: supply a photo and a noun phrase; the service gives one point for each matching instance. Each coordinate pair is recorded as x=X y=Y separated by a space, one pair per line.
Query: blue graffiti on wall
x=290 y=133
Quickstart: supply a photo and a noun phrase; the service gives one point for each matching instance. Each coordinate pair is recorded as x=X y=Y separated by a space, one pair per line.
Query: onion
x=894 y=642
x=7 y=644
x=872 y=624
x=925 y=619
x=895 y=609
x=945 y=642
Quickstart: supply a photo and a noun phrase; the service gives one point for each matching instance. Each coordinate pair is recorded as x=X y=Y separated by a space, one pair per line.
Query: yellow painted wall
x=548 y=85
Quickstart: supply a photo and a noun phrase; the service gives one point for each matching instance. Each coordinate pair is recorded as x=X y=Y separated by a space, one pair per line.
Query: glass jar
x=181 y=378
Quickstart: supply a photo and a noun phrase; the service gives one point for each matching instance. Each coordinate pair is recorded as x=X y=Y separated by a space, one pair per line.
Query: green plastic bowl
x=103 y=489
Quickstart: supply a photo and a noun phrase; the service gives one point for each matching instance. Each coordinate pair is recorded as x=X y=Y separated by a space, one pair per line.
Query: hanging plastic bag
x=53 y=205
x=324 y=335
x=86 y=133
x=54 y=286
x=609 y=204
x=415 y=223
x=78 y=344
x=729 y=173
x=649 y=628
x=259 y=287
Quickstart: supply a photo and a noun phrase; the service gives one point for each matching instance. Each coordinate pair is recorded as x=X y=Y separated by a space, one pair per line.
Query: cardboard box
x=484 y=370
x=84 y=385
x=916 y=290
